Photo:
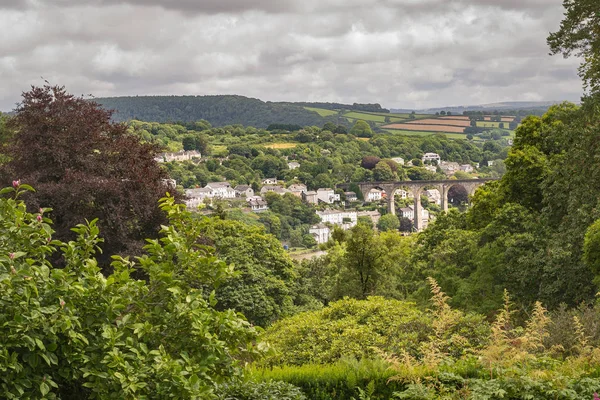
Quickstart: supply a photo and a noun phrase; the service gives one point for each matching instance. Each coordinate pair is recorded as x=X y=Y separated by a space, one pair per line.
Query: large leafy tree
x=361 y=129
x=84 y=166
x=579 y=35
x=262 y=288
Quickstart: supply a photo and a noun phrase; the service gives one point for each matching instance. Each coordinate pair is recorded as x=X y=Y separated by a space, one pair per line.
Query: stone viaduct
x=417 y=187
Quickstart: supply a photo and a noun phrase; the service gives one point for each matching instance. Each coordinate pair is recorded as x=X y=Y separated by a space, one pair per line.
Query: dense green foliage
x=363 y=329
x=579 y=36
x=508 y=361
x=264 y=390
x=262 y=288
x=346 y=379
x=325 y=158
x=76 y=333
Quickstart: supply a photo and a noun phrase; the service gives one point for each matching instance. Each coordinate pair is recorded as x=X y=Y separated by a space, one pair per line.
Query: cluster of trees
x=529 y=226
x=338 y=106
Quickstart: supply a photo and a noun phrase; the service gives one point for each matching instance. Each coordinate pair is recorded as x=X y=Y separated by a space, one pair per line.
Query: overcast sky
x=400 y=53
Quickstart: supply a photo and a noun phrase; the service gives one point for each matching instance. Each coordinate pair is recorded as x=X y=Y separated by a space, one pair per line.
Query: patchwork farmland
x=454 y=126
x=448 y=124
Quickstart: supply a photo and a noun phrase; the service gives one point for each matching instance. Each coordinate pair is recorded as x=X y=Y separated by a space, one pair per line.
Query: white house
x=244 y=191
x=398 y=160
x=403 y=194
x=374 y=195
x=327 y=195
x=222 y=190
x=409 y=212
x=293 y=165
x=273 y=188
x=429 y=157
x=269 y=181
x=345 y=219
x=178 y=156
x=258 y=204
x=466 y=168
x=320 y=232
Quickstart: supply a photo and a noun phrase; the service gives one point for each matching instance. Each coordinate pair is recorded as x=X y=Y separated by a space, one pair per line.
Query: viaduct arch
x=417 y=188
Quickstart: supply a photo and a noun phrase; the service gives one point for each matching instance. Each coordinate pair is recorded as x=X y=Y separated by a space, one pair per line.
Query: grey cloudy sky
x=400 y=53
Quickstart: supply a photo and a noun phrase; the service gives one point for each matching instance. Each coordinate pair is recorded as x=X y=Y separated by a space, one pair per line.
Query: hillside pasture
x=406 y=115
x=427 y=127
x=365 y=117
x=321 y=111
x=437 y=121
x=380 y=117
x=486 y=124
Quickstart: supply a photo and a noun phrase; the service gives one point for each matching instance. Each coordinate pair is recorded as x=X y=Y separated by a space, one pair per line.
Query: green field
x=365 y=117
x=321 y=111
x=488 y=124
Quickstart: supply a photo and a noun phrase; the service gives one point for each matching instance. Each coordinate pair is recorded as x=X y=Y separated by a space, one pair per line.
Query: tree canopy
x=578 y=35
x=83 y=166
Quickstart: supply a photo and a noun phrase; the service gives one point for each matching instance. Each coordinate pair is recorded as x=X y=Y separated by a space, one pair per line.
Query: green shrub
x=74 y=333
x=363 y=329
x=339 y=381
x=266 y=390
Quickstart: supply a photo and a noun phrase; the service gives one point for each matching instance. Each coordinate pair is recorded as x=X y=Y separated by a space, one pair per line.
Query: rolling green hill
x=218 y=110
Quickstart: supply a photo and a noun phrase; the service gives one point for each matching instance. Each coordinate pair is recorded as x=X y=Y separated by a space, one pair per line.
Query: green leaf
x=40 y=344
x=44 y=388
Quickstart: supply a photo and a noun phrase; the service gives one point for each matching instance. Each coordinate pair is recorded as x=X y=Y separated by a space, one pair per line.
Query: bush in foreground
x=73 y=333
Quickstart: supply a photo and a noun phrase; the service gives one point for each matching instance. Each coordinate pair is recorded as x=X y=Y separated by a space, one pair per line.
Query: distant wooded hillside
x=224 y=110
x=218 y=110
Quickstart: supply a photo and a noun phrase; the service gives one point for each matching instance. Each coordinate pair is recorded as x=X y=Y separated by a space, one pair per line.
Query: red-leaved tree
x=84 y=166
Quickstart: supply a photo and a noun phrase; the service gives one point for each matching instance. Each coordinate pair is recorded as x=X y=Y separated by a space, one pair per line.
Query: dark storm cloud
x=400 y=53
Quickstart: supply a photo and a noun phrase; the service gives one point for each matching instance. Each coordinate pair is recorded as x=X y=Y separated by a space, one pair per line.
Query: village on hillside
x=334 y=207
